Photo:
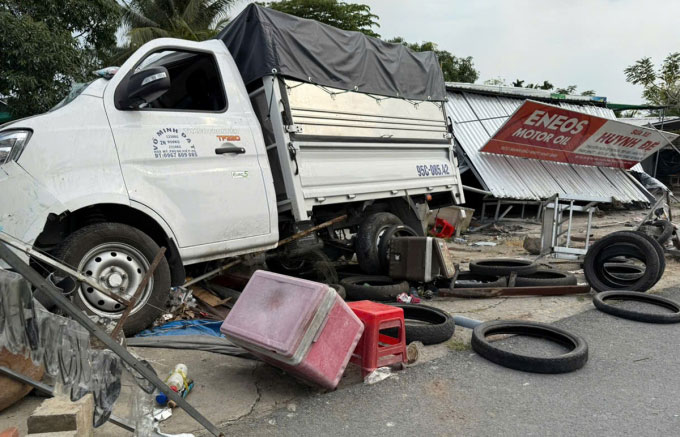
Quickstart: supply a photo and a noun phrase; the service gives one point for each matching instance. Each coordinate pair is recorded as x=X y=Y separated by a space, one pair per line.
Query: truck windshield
x=76 y=89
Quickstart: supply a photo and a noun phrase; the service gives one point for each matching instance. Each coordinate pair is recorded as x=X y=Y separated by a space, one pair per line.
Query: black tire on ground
x=621 y=244
x=624 y=271
x=666 y=228
x=470 y=280
x=426 y=324
x=368 y=240
x=384 y=246
x=572 y=360
x=599 y=300
x=503 y=267
x=125 y=250
x=659 y=251
x=545 y=277
x=366 y=287
x=340 y=290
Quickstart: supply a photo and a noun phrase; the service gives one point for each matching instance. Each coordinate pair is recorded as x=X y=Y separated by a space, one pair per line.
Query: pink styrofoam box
x=306 y=329
x=274 y=311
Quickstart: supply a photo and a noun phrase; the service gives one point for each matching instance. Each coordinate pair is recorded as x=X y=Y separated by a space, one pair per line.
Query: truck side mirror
x=146 y=86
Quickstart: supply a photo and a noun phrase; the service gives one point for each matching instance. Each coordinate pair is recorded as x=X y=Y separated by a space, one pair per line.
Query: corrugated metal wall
x=477 y=117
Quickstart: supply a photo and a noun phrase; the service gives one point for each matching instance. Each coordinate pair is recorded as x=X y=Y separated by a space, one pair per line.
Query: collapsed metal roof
x=477 y=114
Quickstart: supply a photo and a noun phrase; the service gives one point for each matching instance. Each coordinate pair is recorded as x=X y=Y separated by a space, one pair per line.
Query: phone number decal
x=433 y=170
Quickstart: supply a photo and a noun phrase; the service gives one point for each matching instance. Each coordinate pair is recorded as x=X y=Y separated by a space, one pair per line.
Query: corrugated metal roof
x=477 y=117
x=525 y=93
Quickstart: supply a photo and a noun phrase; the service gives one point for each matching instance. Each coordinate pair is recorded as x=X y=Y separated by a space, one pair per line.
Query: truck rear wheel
x=117 y=257
x=368 y=239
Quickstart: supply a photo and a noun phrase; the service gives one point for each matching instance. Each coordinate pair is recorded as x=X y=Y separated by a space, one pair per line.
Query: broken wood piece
x=207 y=297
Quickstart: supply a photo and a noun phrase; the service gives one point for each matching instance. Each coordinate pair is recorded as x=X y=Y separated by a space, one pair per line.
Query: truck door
x=190 y=155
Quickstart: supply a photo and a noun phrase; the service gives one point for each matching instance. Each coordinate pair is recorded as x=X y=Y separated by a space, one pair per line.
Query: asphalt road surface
x=630 y=386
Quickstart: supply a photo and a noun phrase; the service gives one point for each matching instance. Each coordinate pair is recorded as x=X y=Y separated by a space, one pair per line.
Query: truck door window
x=195 y=81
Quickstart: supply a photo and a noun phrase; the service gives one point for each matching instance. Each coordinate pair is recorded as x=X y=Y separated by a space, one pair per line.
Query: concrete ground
x=231 y=391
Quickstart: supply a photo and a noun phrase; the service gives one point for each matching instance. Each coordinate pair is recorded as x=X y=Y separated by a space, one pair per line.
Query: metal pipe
x=477 y=190
x=465 y=322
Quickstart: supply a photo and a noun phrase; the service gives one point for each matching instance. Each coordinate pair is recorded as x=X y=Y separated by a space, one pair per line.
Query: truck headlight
x=12 y=143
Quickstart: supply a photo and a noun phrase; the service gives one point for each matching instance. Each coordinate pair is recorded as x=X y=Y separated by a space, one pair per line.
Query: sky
x=587 y=43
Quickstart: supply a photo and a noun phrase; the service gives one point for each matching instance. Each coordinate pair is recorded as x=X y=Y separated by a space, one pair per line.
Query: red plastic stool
x=376 y=349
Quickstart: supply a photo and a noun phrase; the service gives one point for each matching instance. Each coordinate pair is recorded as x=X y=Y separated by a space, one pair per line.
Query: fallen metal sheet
x=560 y=290
x=477 y=116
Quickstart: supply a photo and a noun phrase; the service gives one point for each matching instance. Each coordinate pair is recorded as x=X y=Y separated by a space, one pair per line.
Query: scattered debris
x=379 y=374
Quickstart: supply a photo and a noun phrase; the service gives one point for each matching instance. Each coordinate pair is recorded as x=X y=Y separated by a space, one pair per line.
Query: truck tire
x=368 y=240
x=117 y=256
x=373 y=288
x=572 y=360
x=426 y=324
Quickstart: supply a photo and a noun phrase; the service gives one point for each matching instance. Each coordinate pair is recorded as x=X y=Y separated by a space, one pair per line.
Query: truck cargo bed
x=330 y=146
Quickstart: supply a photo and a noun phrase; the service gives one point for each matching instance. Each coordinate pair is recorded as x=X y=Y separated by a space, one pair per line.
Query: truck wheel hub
x=118 y=268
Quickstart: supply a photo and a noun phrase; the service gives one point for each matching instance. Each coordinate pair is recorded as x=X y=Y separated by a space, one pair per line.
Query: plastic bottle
x=177 y=381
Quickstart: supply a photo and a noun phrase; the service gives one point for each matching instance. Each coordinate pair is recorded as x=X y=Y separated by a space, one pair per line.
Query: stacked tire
x=644 y=257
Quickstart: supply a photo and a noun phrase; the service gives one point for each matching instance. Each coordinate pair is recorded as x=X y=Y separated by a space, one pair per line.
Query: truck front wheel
x=117 y=257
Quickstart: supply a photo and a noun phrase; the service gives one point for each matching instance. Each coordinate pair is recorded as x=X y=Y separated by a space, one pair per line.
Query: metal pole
x=76 y=314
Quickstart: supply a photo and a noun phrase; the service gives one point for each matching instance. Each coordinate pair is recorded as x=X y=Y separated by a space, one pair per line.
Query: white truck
x=179 y=149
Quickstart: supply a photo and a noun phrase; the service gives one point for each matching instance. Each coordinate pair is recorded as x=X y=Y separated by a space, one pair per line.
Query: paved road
x=630 y=386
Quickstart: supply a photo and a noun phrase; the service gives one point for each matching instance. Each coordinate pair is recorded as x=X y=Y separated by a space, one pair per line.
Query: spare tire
x=368 y=239
x=437 y=328
x=621 y=243
x=545 y=277
x=373 y=287
x=600 y=303
x=572 y=360
x=503 y=267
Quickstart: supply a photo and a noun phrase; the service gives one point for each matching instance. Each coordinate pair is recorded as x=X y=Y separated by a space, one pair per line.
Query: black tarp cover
x=262 y=40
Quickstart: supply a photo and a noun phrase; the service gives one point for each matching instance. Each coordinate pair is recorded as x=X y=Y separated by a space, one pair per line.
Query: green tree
x=49 y=44
x=661 y=87
x=346 y=16
x=455 y=69
x=195 y=20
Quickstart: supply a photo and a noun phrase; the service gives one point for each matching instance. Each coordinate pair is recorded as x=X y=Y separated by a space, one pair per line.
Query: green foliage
x=496 y=81
x=661 y=87
x=455 y=69
x=346 y=16
x=195 y=20
x=47 y=45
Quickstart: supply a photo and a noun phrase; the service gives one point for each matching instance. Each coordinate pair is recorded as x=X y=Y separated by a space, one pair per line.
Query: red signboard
x=552 y=133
